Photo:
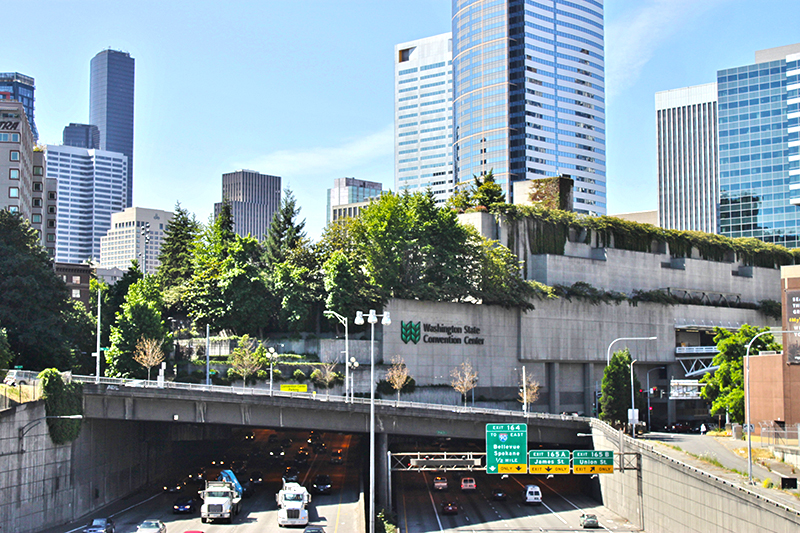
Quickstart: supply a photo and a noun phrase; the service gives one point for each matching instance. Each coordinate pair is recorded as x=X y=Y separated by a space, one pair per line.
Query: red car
x=449 y=507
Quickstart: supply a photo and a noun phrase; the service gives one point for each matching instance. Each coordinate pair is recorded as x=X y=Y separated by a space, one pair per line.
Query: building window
x=51 y=237
x=13 y=209
x=76 y=280
x=36 y=219
x=13 y=192
x=38 y=171
x=51 y=209
x=37 y=186
x=51 y=223
x=51 y=195
x=76 y=293
x=13 y=174
x=13 y=155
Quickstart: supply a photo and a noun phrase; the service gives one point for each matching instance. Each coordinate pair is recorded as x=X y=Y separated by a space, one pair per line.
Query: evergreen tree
x=284 y=232
x=223 y=226
x=176 y=261
x=616 y=395
x=36 y=309
x=486 y=192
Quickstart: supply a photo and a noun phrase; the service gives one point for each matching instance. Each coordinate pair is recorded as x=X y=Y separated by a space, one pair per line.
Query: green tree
x=461 y=200
x=247 y=358
x=244 y=291
x=176 y=260
x=223 y=226
x=616 y=395
x=724 y=388
x=36 y=309
x=499 y=281
x=285 y=233
x=139 y=318
x=298 y=284
x=487 y=192
x=112 y=297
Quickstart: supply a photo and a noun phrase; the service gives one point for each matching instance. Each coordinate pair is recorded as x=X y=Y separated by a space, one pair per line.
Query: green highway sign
x=592 y=462
x=506 y=448
x=548 y=461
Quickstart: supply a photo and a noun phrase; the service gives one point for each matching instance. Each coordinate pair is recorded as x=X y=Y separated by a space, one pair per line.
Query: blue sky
x=303 y=88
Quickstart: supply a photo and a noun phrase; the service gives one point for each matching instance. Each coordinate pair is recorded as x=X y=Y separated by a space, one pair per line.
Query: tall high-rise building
x=111 y=106
x=92 y=184
x=759 y=147
x=423 y=116
x=24 y=188
x=254 y=198
x=136 y=233
x=529 y=94
x=81 y=136
x=688 y=177
x=349 y=191
x=19 y=87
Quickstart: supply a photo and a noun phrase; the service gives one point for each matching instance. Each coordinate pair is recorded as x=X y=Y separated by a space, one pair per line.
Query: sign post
x=592 y=462
x=506 y=448
x=548 y=461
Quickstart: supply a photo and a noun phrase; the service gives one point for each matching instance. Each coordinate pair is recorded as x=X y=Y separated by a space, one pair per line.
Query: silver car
x=152 y=526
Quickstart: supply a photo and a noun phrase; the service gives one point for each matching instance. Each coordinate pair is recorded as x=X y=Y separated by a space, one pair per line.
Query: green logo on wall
x=409 y=332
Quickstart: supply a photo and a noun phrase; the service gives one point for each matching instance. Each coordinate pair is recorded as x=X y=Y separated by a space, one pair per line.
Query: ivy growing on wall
x=61 y=399
x=547 y=232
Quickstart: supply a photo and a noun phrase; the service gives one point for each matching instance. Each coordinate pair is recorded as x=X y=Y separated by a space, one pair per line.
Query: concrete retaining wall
x=667 y=495
x=44 y=484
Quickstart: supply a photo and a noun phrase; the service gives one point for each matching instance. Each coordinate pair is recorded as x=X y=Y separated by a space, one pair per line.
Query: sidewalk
x=726 y=458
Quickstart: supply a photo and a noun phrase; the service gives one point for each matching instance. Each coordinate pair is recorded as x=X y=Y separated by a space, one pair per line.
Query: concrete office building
x=136 y=233
x=758 y=147
x=19 y=87
x=688 y=177
x=81 y=136
x=348 y=193
x=25 y=189
x=423 y=116
x=254 y=199
x=92 y=184
x=529 y=94
x=111 y=106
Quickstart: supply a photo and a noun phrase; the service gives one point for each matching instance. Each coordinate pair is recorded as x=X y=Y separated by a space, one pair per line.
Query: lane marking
x=433 y=503
x=122 y=511
x=569 y=502
x=341 y=489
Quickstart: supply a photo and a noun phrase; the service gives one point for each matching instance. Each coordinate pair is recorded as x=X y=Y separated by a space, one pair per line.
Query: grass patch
x=21 y=393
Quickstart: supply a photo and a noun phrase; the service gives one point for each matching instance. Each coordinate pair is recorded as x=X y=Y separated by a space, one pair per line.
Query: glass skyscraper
x=81 y=136
x=19 y=87
x=423 y=116
x=529 y=93
x=758 y=148
x=111 y=105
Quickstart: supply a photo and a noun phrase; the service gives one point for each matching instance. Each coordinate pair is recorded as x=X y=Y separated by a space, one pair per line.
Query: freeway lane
x=419 y=507
x=339 y=512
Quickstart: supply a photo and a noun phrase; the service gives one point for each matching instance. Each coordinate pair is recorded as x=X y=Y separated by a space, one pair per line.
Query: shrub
x=768 y=484
x=61 y=399
x=299 y=375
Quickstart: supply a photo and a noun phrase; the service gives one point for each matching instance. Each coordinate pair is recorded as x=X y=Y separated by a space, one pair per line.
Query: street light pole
x=608 y=352
x=648 y=395
x=353 y=364
x=747 y=402
x=633 y=404
x=344 y=321
x=372 y=319
x=271 y=351
x=27 y=427
x=99 y=290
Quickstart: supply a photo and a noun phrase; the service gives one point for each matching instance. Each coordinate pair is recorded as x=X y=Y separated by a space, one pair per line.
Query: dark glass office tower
x=82 y=136
x=20 y=87
x=111 y=105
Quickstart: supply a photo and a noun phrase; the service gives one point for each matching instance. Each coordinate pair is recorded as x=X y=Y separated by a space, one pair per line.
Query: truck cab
x=292 y=501
x=222 y=499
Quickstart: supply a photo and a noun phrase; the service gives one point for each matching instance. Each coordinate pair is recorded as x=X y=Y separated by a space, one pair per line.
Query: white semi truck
x=292 y=501
x=222 y=499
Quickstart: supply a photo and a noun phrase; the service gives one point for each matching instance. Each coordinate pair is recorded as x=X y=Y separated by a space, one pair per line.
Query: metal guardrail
x=696 y=349
x=131 y=384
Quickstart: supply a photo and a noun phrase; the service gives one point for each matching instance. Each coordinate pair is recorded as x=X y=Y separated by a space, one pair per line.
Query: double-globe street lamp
x=352 y=364
x=344 y=321
x=372 y=318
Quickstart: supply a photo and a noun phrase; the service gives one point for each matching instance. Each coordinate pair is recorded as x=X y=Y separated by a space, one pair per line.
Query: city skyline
x=311 y=136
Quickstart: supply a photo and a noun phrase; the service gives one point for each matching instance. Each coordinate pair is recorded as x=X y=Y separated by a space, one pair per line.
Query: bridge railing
x=128 y=383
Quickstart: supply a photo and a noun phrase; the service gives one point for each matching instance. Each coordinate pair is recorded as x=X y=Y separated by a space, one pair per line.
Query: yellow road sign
x=592 y=469
x=549 y=469
x=512 y=468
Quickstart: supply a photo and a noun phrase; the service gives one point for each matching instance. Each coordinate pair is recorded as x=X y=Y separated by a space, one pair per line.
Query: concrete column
x=382 y=472
x=672 y=406
x=553 y=371
x=588 y=388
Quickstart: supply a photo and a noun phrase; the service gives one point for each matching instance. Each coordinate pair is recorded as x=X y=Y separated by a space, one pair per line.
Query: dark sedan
x=322 y=484
x=184 y=505
x=100 y=525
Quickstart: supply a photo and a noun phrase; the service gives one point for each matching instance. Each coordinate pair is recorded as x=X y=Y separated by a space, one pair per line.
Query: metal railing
x=133 y=384
x=777 y=436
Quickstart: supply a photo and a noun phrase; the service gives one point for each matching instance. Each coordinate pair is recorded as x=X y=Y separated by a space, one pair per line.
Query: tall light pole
x=271 y=356
x=372 y=318
x=608 y=352
x=747 y=402
x=648 y=395
x=97 y=378
x=344 y=321
x=27 y=427
x=633 y=404
x=208 y=351
x=352 y=364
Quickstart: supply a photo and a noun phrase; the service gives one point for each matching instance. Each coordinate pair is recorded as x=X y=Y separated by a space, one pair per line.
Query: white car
x=152 y=526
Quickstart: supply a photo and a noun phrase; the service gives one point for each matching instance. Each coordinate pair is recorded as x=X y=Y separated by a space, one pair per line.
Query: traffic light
x=654 y=390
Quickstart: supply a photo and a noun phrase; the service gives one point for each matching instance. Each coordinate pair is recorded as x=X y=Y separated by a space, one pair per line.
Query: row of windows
x=9 y=137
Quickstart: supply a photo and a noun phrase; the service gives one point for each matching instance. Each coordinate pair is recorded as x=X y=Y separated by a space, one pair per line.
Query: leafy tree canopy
x=616 y=395
x=285 y=232
x=724 y=388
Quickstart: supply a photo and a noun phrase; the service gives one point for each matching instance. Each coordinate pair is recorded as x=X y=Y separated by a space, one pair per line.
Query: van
x=533 y=494
x=467 y=484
